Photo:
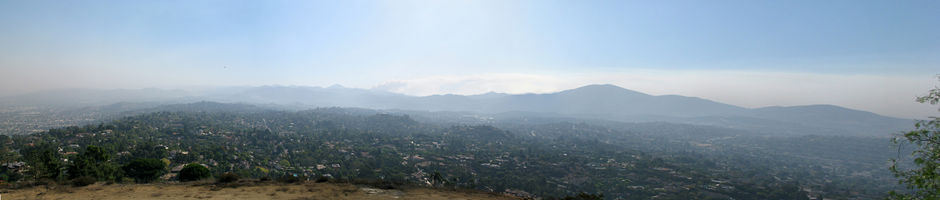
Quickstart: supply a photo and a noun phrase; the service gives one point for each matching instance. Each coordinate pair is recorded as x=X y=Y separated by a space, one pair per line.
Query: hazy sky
x=869 y=55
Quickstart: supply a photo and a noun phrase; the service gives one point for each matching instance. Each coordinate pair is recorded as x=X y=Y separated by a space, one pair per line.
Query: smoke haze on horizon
x=868 y=55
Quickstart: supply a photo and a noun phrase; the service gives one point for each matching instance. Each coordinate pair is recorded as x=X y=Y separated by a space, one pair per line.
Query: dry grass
x=242 y=190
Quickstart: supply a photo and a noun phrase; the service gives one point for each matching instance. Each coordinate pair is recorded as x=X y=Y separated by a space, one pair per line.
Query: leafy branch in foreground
x=924 y=179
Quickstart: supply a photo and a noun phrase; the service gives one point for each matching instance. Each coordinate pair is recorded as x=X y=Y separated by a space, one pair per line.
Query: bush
x=193 y=172
x=585 y=196
x=83 y=181
x=289 y=179
x=322 y=179
x=144 y=170
x=375 y=183
x=228 y=177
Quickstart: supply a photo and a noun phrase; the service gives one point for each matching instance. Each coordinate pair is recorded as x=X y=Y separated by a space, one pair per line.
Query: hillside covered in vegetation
x=535 y=158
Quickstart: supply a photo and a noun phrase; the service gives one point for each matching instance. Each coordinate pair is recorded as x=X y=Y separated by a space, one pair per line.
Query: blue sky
x=505 y=46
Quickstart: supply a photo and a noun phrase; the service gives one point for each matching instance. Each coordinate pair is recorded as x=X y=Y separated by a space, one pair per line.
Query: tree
x=93 y=162
x=145 y=170
x=149 y=149
x=437 y=179
x=44 y=162
x=6 y=150
x=193 y=171
x=924 y=179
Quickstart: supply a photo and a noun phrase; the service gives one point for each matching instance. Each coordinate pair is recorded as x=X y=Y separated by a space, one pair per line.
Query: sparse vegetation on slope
x=244 y=190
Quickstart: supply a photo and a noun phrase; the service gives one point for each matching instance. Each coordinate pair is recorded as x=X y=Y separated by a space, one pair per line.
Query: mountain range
x=606 y=102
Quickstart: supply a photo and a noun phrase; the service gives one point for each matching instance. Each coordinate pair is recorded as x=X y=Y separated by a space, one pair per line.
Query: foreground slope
x=181 y=191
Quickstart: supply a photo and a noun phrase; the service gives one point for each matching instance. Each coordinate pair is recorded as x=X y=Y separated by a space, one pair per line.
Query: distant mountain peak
x=601 y=86
x=596 y=89
x=490 y=94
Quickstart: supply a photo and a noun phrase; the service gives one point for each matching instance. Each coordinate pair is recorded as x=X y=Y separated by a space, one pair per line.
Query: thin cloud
x=475 y=84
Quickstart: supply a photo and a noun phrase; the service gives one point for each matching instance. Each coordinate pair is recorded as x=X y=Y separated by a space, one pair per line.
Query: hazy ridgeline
x=597 y=139
x=602 y=102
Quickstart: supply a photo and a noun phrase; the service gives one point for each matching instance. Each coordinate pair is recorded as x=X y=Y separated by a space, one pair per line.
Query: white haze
x=891 y=95
x=883 y=94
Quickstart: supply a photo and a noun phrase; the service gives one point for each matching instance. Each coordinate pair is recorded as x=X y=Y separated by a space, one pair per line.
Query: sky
x=869 y=55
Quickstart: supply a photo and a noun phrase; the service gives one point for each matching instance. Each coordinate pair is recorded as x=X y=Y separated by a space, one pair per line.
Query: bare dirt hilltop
x=307 y=190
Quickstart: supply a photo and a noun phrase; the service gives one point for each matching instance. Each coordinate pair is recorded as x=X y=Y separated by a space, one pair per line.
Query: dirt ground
x=298 y=191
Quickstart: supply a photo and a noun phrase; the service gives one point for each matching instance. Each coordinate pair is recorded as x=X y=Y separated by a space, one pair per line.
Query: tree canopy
x=93 y=162
x=193 y=172
x=145 y=170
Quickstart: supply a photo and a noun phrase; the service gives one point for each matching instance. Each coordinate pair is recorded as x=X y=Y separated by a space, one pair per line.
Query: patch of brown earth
x=252 y=191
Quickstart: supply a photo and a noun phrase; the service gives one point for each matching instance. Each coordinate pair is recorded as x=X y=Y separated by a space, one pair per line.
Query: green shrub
x=83 y=181
x=290 y=179
x=322 y=179
x=144 y=170
x=193 y=172
x=585 y=196
x=228 y=177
